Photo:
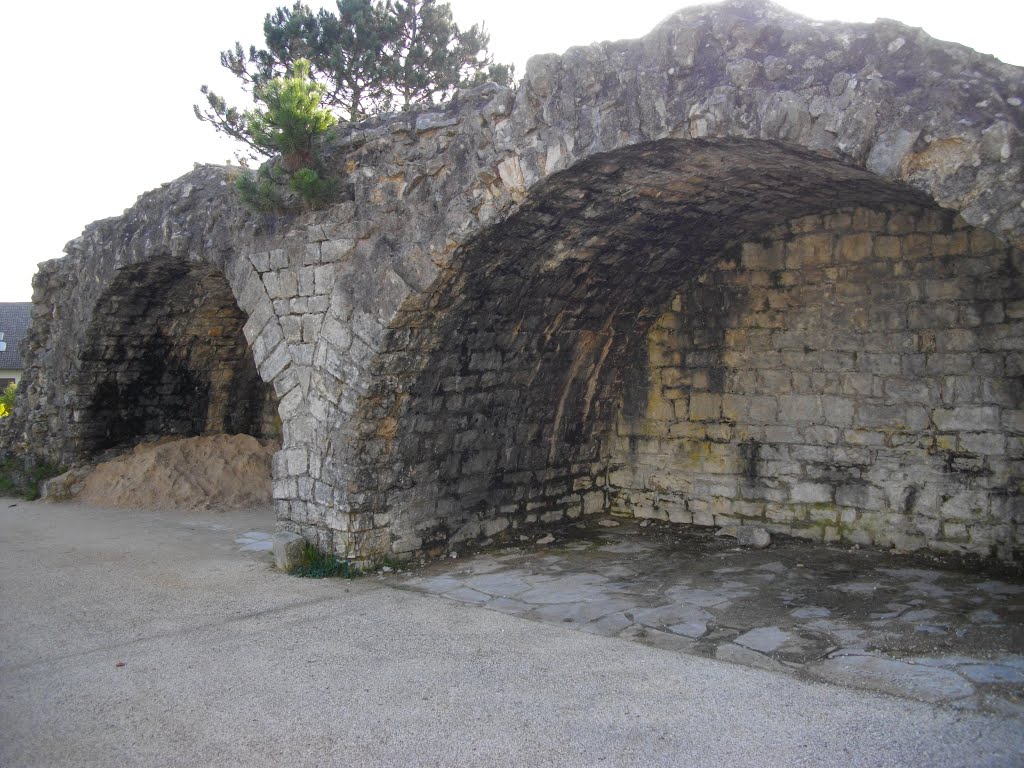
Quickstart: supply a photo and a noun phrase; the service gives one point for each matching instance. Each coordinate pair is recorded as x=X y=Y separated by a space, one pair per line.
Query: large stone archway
x=602 y=203
x=709 y=331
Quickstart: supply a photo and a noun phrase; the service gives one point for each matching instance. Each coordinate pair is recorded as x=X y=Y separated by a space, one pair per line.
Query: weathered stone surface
x=747 y=535
x=695 y=592
x=829 y=423
x=753 y=536
x=748 y=268
x=922 y=682
x=288 y=549
x=763 y=639
x=992 y=673
x=64 y=486
x=740 y=655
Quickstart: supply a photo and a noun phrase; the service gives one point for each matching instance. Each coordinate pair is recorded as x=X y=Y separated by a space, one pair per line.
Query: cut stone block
x=288 y=548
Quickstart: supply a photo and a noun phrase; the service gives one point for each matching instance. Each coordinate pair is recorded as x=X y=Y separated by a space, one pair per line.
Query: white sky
x=100 y=93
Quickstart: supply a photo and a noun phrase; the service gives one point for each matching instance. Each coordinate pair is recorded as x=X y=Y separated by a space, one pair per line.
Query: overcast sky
x=99 y=94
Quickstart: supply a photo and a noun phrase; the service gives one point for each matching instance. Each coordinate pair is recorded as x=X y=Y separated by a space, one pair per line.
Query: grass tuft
x=315 y=564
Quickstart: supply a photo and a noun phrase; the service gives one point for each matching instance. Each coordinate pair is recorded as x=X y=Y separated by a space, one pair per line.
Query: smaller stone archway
x=167 y=356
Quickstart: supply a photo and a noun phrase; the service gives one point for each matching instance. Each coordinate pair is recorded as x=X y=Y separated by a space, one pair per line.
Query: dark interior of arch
x=496 y=390
x=167 y=356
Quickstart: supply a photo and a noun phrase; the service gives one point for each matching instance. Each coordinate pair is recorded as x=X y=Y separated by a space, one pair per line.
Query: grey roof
x=14 y=320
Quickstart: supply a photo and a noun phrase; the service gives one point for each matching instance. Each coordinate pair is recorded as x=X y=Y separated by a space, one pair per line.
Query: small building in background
x=14 y=320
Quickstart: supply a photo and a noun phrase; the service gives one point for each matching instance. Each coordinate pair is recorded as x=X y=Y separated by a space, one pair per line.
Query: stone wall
x=851 y=377
x=388 y=325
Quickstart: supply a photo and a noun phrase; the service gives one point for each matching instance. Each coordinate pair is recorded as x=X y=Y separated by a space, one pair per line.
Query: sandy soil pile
x=195 y=473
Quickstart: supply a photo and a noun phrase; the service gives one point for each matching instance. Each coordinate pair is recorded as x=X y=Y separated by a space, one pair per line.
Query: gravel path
x=148 y=638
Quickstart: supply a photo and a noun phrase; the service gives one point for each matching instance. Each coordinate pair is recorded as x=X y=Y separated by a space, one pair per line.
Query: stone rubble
x=747 y=535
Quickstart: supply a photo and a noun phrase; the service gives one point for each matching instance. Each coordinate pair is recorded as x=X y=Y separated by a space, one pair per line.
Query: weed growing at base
x=17 y=478
x=315 y=564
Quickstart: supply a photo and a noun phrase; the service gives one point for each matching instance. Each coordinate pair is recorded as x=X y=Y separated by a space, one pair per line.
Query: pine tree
x=430 y=56
x=372 y=56
x=290 y=116
x=287 y=120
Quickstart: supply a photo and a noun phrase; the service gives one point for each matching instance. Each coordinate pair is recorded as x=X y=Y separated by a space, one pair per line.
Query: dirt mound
x=193 y=473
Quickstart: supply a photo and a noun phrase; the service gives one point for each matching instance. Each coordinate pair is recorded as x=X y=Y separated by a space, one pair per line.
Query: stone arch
x=522 y=387
x=438 y=203
x=894 y=114
x=166 y=355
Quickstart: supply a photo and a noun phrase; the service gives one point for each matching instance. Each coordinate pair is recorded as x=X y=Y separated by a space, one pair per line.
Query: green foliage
x=290 y=116
x=272 y=189
x=227 y=120
x=371 y=56
x=315 y=564
x=314 y=190
x=288 y=120
x=23 y=478
x=7 y=400
x=346 y=51
x=259 y=191
x=429 y=57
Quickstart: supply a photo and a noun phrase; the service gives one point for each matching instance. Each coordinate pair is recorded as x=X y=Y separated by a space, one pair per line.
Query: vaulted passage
x=168 y=357
x=704 y=332
x=747 y=268
x=853 y=376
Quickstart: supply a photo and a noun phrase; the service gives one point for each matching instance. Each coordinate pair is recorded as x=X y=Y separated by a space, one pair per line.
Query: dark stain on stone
x=910 y=499
x=750 y=451
x=636 y=383
x=614 y=237
x=966 y=464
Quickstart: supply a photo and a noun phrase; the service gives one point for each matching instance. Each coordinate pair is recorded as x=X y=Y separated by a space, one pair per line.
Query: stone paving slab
x=256 y=541
x=918 y=626
x=919 y=681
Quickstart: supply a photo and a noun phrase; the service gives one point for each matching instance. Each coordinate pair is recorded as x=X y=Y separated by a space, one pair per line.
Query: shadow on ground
x=913 y=626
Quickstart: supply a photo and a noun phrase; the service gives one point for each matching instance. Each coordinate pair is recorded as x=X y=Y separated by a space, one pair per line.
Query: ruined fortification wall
x=452 y=345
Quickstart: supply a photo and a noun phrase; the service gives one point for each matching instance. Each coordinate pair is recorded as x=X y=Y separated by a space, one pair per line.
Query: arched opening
x=850 y=376
x=167 y=356
x=606 y=348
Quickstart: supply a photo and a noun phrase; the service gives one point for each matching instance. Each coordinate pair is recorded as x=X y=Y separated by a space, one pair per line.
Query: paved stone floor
x=256 y=541
x=908 y=625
